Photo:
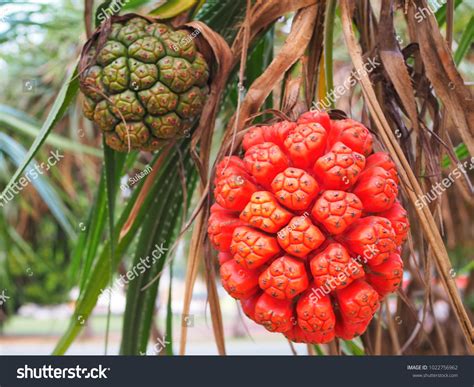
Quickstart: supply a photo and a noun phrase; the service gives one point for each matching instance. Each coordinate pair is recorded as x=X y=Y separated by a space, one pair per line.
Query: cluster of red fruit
x=308 y=227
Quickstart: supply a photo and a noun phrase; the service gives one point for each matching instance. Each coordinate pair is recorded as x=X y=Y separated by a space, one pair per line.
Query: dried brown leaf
x=213 y=45
x=265 y=12
x=291 y=51
x=88 y=12
x=210 y=42
x=408 y=179
x=394 y=63
x=442 y=73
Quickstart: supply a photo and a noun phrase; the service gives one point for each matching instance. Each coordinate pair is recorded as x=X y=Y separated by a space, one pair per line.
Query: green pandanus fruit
x=144 y=83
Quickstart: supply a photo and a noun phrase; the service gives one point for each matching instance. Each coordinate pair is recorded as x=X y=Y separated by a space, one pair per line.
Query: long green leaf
x=144 y=249
x=222 y=16
x=169 y=315
x=99 y=271
x=461 y=153
x=260 y=58
x=22 y=123
x=133 y=4
x=330 y=19
x=353 y=347
x=173 y=8
x=105 y=9
x=112 y=162
x=88 y=232
x=17 y=153
x=86 y=249
x=318 y=350
x=441 y=13
x=162 y=226
x=65 y=96
x=21 y=244
x=465 y=42
x=148 y=296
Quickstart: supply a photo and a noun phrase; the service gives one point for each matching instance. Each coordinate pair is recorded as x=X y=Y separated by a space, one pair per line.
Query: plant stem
x=328 y=43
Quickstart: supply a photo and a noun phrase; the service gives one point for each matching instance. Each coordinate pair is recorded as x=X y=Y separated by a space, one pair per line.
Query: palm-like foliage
x=407 y=95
